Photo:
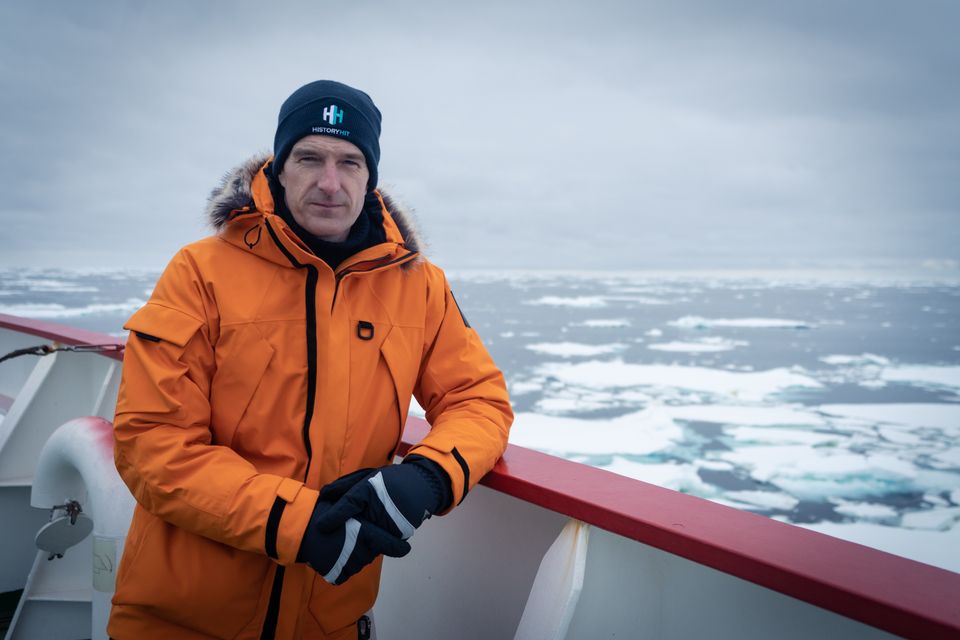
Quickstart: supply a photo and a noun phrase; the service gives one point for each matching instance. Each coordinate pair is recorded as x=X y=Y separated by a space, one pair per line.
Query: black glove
x=339 y=554
x=396 y=498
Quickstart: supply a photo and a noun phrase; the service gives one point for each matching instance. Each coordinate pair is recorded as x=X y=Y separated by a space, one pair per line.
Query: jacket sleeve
x=163 y=442
x=464 y=395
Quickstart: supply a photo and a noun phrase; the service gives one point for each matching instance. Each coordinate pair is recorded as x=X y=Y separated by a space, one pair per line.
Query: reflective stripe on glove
x=396 y=498
x=339 y=554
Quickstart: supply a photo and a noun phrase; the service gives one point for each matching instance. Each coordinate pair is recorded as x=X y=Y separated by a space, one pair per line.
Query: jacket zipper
x=273 y=607
x=310 y=300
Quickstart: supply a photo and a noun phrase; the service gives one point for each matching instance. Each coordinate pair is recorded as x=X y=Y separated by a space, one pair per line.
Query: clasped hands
x=367 y=513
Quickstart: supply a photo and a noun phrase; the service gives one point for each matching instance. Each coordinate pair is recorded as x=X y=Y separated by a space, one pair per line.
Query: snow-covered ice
x=575 y=349
x=794 y=415
x=925 y=375
x=672 y=475
x=945 y=417
x=762 y=499
x=617 y=374
x=939 y=548
x=697 y=322
x=605 y=323
x=705 y=345
x=57 y=310
x=637 y=433
x=865 y=358
x=579 y=302
x=864 y=510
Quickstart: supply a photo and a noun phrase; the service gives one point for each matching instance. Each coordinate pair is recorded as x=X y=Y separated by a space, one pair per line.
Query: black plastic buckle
x=365 y=330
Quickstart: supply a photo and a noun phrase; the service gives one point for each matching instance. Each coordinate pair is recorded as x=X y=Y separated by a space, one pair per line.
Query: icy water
x=829 y=403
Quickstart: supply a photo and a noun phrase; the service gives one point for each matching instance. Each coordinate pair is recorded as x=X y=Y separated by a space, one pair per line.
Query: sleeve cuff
x=299 y=503
x=456 y=468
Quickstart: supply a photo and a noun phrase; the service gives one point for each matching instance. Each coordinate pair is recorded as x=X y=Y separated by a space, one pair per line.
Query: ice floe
x=616 y=374
x=579 y=302
x=56 y=310
x=939 y=548
x=637 y=433
x=865 y=358
x=924 y=375
x=864 y=510
x=697 y=322
x=521 y=387
x=934 y=519
x=605 y=323
x=50 y=285
x=704 y=345
x=575 y=349
x=780 y=435
x=671 y=475
x=945 y=417
x=748 y=415
x=813 y=474
x=765 y=500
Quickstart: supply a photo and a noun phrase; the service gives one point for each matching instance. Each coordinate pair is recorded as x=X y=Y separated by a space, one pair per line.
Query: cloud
x=613 y=135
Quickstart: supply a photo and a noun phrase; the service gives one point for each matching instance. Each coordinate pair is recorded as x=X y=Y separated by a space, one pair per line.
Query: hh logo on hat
x=333 y=114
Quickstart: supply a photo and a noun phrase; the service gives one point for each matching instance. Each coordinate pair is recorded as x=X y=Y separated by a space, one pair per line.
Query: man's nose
x=329 y=180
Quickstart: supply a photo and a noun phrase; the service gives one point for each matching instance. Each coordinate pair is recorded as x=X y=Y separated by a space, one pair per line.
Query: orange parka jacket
x=256 y=375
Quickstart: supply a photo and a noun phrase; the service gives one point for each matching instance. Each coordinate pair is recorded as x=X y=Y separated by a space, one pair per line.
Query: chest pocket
x=242 y=359
x=384 y=363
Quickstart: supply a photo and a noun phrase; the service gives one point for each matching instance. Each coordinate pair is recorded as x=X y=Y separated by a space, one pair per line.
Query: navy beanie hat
x=329 y=108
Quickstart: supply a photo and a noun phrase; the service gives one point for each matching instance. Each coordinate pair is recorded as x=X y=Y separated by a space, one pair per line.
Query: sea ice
x=923 y=375
x=638 y=300
x=866 y=358
x=864 y=510
x=580 y=302
x=45 y=285
x=815 y=473
x=747 y=415
x=605 y=323
x=774 y=435
x=950 y=458
x=938 y=548
x=945 y=417
x=522 y=387
x=616 y=374
x=638 y=433
x=706 y=345
x=763 y=499
x=55 y=310
x=697 y=322
x=937 y=519
x=575 y=349
x=672 y=475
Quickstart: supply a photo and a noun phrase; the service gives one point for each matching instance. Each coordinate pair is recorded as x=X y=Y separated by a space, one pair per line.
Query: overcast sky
x=621 y=135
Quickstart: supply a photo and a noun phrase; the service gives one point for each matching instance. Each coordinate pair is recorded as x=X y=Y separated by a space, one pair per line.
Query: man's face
x=325 y=180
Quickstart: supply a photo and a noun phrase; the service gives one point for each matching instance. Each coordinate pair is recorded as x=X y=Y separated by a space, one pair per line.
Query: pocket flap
x=166 y=323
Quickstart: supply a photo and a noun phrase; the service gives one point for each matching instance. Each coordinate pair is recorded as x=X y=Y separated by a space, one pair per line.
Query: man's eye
x=308 y=158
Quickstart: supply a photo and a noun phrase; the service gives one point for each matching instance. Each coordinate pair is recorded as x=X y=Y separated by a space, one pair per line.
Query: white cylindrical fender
x=556 y=588
x=76 y=463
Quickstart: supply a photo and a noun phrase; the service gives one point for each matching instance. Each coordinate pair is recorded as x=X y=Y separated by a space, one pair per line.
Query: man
x=265 y=387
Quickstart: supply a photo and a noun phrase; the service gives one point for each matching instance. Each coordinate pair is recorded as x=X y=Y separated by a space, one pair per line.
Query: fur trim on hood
x=234 y=193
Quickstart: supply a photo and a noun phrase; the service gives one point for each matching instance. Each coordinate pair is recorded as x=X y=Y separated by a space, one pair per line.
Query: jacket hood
x=235 y=193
